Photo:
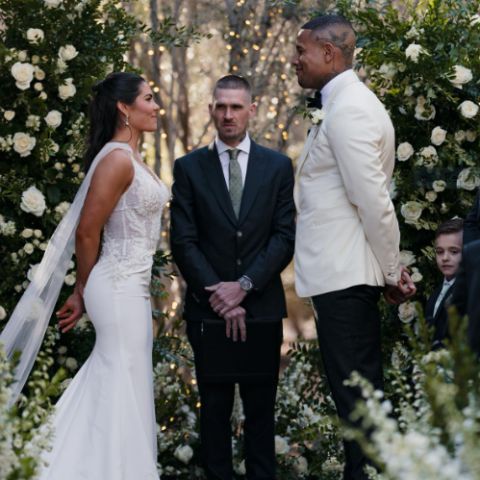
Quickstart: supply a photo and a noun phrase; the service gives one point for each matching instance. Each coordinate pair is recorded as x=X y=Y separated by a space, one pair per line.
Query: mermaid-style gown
x=104 y=423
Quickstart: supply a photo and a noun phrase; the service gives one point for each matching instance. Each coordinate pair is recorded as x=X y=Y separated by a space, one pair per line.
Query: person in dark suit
x=466 y=293
x=471 y=228
x=448 y=254
x=232 y=233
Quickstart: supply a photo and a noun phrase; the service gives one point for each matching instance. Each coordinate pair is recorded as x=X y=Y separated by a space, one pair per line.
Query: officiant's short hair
x=234 y=82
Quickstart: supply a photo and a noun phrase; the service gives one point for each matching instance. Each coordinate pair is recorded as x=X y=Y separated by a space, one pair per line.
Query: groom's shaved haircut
x=233 y=82
x=337 y=30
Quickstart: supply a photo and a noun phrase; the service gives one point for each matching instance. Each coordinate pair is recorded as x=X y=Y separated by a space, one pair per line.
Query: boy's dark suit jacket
x=209 y=244
x=440 y=320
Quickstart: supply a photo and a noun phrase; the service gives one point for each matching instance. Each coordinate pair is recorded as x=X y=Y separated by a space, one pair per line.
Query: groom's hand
x=225 y=296
x=235 y=324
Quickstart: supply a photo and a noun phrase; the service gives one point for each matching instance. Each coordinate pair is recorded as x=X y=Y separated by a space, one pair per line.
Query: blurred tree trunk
x=156 y=79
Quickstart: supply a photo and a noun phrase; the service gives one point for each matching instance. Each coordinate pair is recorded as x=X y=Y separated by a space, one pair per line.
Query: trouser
x=217 y=399
x=348 y=327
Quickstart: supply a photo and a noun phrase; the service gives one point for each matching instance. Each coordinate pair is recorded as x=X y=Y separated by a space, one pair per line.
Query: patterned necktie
x=235 y=183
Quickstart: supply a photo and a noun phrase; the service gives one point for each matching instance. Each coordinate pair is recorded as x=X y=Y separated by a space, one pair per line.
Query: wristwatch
x=246 y=283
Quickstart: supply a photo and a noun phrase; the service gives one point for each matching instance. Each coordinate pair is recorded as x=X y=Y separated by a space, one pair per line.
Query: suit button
x=239 y=234
x=239 y=262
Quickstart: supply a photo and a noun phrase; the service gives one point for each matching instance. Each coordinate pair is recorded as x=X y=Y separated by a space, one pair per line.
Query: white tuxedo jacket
x=347 y=232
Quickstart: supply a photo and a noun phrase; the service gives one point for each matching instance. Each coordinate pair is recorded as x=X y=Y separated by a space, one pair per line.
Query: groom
x=347 y=239
x=232 y=233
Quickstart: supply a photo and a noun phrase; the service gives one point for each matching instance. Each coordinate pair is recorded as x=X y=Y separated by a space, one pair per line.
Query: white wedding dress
x=104 y=424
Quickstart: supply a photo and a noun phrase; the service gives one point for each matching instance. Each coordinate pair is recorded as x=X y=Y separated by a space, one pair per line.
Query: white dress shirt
x=446 y=285
x=243 y=146
x=328 y=88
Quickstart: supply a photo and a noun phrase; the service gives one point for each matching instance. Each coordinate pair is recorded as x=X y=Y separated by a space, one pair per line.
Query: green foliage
x=21 y=439
x=423 y=90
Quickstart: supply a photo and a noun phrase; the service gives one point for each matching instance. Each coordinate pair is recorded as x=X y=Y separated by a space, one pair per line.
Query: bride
x=104 y=423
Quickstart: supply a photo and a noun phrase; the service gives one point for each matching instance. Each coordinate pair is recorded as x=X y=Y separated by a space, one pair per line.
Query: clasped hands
x=225 y=300
x=404 y=289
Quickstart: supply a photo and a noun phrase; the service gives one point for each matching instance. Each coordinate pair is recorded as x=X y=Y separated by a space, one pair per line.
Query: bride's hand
x=70 y=312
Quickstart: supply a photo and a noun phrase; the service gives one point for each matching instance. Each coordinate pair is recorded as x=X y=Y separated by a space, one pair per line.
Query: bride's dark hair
x=103 y=112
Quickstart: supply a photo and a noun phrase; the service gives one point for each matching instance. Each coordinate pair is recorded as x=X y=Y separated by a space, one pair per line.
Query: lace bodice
x=132 y=232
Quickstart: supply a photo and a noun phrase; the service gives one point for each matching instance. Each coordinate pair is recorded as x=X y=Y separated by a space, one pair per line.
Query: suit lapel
x=255 y=175
x=311 y=137
x=348 y=78
x=444 y=299
x=213 y=171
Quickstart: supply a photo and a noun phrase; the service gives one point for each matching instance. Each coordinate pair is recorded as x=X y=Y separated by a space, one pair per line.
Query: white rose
x=9 y=115
x=52 y=3
x=43 y=96
x=70 y=279
x=407 y=258
x=184 y=453
x=317 y=115
x=68 y=52
x=35 y=35
x=23 y=143
x=413 y=52
x=53 y=118
x=32 y=271
x=409 y=91
x=411 y=211
x=438 y=136
x=460 y=136
x=407 y=312
x=26 y=233
x=461 y=76
x=22 y=55
x=28 y=248
x=39 y=74
x=387 y=70
x=62 y=208
x=470 y=135
x=37 y=232
x=67 y=90
x=428 y=152
x=33 y=201
x=424 y=111
x=38 y=86
x=404 y=151
x=281 y=445
x=431 y=196
x=467 y=180
x=3 y=313
x=23 y=74
x=468 y=109
x=416 y=276
x=71 y=363
x=35 y=59
x=439 y=185
x=300 y=465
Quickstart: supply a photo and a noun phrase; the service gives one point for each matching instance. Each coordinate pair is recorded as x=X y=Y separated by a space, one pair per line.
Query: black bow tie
x=315 y=101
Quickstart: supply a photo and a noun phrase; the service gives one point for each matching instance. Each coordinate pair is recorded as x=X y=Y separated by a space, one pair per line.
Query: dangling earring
x=126 y=121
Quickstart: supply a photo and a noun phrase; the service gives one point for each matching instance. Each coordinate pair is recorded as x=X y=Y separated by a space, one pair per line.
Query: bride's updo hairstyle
x=103 y=112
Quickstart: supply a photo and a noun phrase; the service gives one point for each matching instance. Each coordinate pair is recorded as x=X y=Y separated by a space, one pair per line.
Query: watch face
x=246 y=284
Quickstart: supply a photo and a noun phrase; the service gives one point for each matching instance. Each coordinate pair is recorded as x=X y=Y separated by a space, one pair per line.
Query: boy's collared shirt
x=445 y=287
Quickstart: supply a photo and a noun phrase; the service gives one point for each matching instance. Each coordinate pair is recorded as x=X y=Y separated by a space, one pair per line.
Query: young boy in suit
x=448 y=254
